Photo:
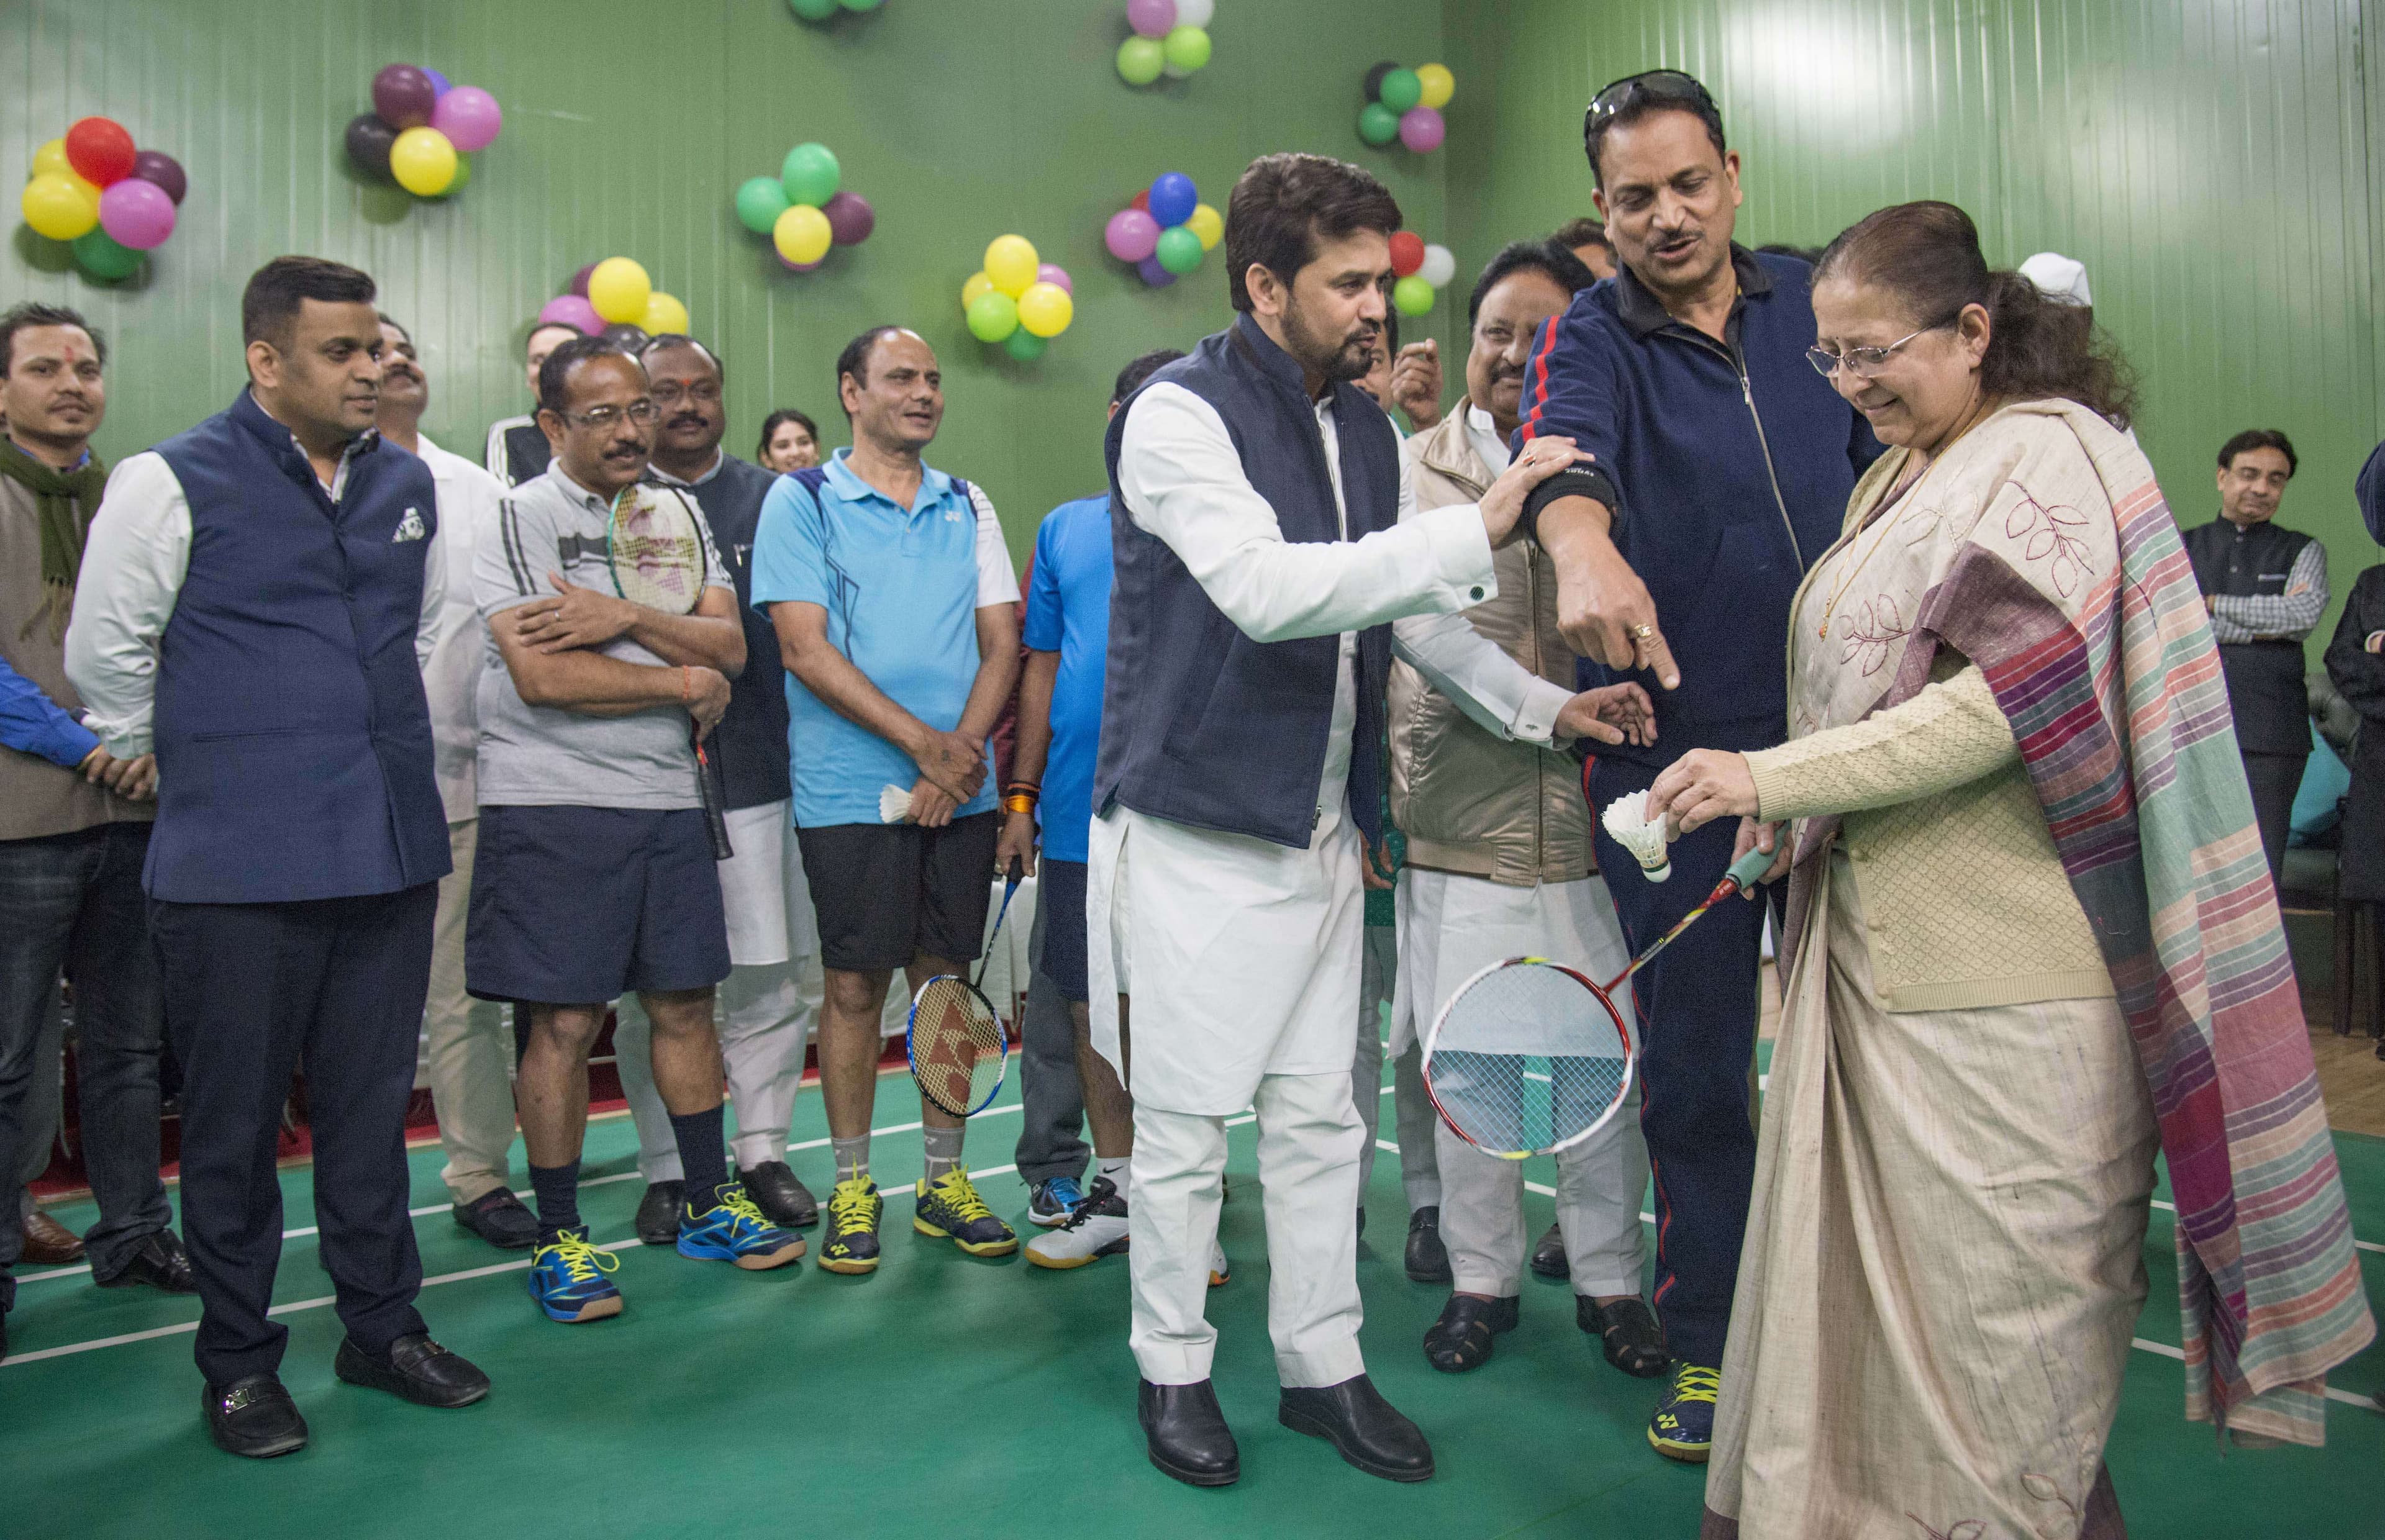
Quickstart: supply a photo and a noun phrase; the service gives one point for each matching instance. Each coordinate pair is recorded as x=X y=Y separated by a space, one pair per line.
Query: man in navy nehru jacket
x=256 y=602
x=1721 y=466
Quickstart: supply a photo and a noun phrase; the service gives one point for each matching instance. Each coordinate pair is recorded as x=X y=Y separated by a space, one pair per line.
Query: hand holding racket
x=656 y=554
x=954 y=1041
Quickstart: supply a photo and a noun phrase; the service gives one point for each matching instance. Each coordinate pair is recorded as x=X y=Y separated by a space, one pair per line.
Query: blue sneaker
x=734 y=1230
x=566 y=1278
x=1053 y=1201
x=1682 y=1426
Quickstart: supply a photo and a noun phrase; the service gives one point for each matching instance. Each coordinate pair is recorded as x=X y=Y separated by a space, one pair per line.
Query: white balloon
x=1194 y=13
x=1440 y=267
x=1170 y=69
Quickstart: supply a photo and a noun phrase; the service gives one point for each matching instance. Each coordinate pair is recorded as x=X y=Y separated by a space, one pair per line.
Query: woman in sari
x=2031 y=940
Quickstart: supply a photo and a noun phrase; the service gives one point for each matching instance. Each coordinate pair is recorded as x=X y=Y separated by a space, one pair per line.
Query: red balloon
x=99 y=150
x=1143 y=200
x=1408 y=253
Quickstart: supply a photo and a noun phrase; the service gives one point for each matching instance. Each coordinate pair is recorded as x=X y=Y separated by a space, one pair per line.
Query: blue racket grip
x=1749 y=869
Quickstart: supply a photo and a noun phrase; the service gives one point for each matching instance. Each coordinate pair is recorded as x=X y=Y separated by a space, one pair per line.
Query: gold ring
x=1643 y=631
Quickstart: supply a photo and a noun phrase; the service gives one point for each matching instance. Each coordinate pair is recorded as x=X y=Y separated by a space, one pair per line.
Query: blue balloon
x=1152 y=273
x=1173 y=199
x=438 y=83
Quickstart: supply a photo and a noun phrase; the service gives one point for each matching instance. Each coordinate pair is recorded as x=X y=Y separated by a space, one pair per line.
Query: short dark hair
x=2261 y=438
x=277 y=291
x=388 y=319
x=31 y=313
x=1284 y=205
x=682 y=340
x=1131 y=378
x=1553 y=256
x=1584 y=232
x=780 y=418
x=537 y=327
x=555 y=374
x=855 y=360
x=1646 y=95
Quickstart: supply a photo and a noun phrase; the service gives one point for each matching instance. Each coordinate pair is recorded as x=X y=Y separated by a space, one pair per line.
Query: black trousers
x=252 y=990
x=2273 y=778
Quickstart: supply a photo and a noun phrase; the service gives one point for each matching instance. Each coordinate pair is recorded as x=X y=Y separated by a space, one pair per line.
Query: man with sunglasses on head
x=1722 y=463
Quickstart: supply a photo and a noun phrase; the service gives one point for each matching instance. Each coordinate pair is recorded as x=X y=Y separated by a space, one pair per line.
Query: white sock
x=1113 y=1168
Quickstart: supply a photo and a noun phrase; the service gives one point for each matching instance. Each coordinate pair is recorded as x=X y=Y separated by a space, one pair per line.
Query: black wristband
x=1589 y=481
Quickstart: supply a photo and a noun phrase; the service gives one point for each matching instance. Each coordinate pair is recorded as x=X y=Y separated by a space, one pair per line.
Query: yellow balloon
x=1045 y=309
x=620 y=289
x=802 y=234
x=1011 y=262
x=423 y=161
x=1439 y=84
x=977 y=284
x=1208 y=224
x=60 y=206
x=51 y=159
x=664 y=314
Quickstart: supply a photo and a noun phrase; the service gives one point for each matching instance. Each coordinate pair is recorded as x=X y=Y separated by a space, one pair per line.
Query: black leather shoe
x=415 y=1369
x=1427 y=1259
x=781 y=1195
x=1188 y=1433
x=254 y=1417
x=1367 y=1430
x=1467 y=1330
x=1628 y=1331
x=1361 y=1222
x=1548 y=1257
x=659 y=1213
x=160 y=1262
x=499 y=1218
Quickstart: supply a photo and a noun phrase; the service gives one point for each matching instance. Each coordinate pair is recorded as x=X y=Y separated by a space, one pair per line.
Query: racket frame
x=1622 y=1027
x=715 y=817
x=911 y=1021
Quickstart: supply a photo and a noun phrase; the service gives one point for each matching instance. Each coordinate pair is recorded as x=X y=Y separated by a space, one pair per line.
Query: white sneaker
x=1095 y=1230
x=1221 y=1271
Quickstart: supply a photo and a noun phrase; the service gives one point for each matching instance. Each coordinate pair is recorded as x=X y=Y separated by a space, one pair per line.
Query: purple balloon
x=799 y=266
x=136 y=214
x=1421 y=129
x=1153 y=274
x=469 y=117
x=850 y=219
x=1151 y=18
x=571 y=310
x=403 y=96
x=156 y=165
x=1052 y=272
x=1131 y=235
x=439 y=82
x=579 y=280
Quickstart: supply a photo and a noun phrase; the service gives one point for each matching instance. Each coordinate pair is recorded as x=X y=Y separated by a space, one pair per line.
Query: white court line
x=2348 y=1398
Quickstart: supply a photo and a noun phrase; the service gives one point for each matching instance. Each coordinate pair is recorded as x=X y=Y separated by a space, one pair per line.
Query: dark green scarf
x=63 y=502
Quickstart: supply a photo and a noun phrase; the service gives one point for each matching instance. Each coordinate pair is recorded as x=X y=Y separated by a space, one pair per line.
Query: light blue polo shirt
x=902 y=588
x=1068 y=612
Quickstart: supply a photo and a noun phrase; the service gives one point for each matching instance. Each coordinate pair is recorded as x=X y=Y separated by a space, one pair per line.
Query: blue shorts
x=581 y=905
x=1060 y=901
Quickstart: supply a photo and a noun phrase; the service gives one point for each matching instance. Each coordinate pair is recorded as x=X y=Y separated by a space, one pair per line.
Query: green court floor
x=947 y=1396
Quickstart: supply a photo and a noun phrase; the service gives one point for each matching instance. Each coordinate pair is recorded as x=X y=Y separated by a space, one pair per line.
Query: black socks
x=702 y=1156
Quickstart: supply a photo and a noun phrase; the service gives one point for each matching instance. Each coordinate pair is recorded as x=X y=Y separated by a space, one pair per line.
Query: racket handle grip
x=1749 y=869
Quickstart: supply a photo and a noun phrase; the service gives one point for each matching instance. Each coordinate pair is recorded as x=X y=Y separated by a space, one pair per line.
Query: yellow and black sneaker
x=1682 y=1426
x=850 y=1242
x=950 y=1210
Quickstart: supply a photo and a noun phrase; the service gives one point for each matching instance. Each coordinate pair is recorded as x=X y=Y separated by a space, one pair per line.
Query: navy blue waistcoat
x=1201 y=725
x=292 y=739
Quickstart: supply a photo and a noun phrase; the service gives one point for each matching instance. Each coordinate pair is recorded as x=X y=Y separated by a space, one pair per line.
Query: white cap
x=2059 y=278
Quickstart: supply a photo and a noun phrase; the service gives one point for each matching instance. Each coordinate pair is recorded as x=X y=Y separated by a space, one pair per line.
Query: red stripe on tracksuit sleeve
x=1538 y=371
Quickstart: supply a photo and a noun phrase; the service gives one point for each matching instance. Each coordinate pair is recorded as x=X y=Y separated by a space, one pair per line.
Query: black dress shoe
x=499 y=1218
x=255 y=1417
x=1427 y=1259
x=160 y=1262
x=416 y=1368
x=1361 y=1222
x=1628 y=1330
x=1367 y=1430
x=658 y=1212
x=1549 y=1256
x=1467 y=1330
x=781 y=1195
x=1188 y=1435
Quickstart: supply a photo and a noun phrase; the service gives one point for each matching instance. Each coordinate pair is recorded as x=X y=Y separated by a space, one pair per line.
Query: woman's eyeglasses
x=1863 y=363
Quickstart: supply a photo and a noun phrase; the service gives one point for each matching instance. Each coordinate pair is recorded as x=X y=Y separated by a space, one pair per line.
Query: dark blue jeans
x=1052 y=1134
x=71 y=903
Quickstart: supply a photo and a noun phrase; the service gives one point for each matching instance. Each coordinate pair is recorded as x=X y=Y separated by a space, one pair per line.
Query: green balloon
x=1187 y=49
x=1140 y=59
x=813 y=10
x=1180 y=250
x=993 y=316
x=760 y=201
x=1025 y=346
x=810 y=174
x=1412 y=295
x=1379 y=124
x=861 y=4
x=103 y=258
x=463 y=176
x=1401 y=91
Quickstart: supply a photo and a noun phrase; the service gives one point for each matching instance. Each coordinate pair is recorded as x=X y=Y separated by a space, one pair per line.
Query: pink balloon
x=571 y=310
x=136 y=214
x=850 y=219
x=1052 y=272
x=1151 y=18
x=1421 y=129
x=469 y=117
x=1132 y=234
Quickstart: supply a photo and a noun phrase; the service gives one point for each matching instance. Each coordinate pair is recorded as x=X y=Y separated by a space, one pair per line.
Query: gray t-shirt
x=533 y=756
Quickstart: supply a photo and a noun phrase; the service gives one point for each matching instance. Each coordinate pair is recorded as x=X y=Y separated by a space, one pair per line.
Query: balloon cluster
x=614 y=300
x=109 y=200
x=802 y=209
x=821 y=11
x=1171 y=38
x=1166 y=231
x=1406 y=105
x=422 y=132
x=1017 y=299
x=1420 y=271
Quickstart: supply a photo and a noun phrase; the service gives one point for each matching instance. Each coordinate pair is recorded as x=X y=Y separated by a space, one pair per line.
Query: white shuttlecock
x=1626 y=822
x=894 y=804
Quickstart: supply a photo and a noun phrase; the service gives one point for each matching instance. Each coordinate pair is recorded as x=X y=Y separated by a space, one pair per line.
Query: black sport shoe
x=850 y=1242
x=658 y=1212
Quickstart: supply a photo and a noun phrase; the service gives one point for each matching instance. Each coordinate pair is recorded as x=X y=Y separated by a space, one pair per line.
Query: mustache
x=687 y=419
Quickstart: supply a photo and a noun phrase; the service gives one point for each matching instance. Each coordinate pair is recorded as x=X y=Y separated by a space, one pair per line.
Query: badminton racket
x=1529 y=1057
x=954 y=1041
x=654 y=551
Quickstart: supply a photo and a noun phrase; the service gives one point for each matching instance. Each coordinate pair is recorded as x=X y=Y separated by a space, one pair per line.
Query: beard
x=1346 y=356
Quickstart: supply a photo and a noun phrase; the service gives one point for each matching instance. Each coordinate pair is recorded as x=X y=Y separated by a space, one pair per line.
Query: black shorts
x=581 y=905
x=887 y=892
x=1060 y=904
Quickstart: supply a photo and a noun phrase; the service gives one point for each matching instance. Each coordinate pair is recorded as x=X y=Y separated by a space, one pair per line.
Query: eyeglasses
x=1863 y=363
x=1651 y=85
x=602 y=417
